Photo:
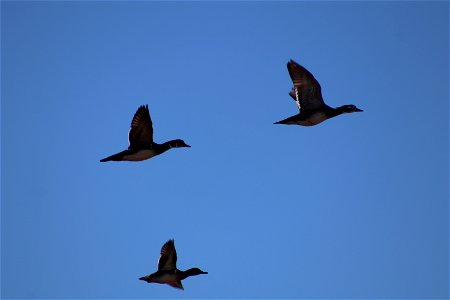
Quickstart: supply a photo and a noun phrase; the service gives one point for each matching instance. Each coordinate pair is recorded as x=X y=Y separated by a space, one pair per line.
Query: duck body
x=131 y=155
x=141 y=154
x=309 y=118
x=172 y=277
x=140 y=137
x=167 y=270
x=307 y=93
x=144 y=152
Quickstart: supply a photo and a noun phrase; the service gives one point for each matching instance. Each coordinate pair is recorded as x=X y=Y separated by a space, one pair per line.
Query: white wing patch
x=297 y=99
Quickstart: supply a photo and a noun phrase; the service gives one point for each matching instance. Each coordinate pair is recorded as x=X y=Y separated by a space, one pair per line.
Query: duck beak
x=187 y=146
x=357 y=110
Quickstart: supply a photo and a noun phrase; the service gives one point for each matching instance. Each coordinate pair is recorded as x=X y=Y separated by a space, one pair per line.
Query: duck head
x=196 y=271
x=178 y=144
x=349 y=108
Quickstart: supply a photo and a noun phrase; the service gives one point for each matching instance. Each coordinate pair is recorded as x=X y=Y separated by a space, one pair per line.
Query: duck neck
x=163 y=147
x=190 y=272
x=333 y=112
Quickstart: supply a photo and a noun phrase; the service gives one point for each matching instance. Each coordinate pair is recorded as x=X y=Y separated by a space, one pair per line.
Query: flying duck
x=167 y=268
x=140 y=137
x=308 y=96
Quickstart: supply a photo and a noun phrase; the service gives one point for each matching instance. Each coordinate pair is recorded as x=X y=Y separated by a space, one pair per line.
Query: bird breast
x=140 y=155
x=165 y=278
x=314 y=119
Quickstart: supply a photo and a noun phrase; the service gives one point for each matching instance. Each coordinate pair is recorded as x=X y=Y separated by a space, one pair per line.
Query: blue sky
x=354 y=207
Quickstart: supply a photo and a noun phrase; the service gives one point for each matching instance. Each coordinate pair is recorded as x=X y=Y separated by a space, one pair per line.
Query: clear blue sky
x=354 y=207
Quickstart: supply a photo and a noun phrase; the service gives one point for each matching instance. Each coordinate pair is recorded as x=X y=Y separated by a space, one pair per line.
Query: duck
x=140 y=137
x=167 y=268
x=307 y=94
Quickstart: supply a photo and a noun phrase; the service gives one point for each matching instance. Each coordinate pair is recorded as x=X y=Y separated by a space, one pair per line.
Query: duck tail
x=145 y=278
x=114 y=157
x=109 y=158
x=282 y=122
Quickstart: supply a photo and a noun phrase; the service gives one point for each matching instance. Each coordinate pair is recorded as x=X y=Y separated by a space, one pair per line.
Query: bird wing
x=168 y=258
x=306 y=91
x=141 y=130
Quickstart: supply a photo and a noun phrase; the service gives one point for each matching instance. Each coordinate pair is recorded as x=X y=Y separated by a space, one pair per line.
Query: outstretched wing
x=141 y=130
x=306 y=91
x=168 y=258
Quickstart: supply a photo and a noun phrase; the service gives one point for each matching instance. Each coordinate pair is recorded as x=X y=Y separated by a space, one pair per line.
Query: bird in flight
x=167 y=268
x=308 y=96
x=140 y=137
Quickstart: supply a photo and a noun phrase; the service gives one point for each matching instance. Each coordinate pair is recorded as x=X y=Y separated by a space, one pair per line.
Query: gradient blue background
x=354 y=207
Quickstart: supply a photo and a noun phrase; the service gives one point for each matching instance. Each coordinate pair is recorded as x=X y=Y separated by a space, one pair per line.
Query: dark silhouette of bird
x=167 y=268
x=308 y=96
x=140 y=137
